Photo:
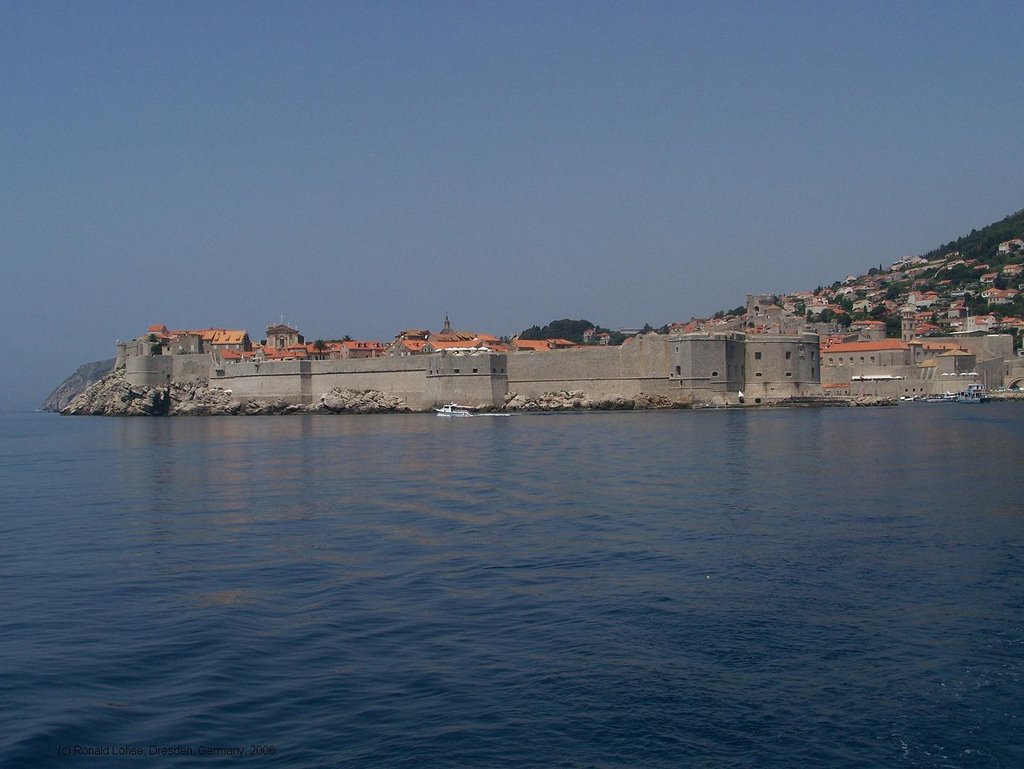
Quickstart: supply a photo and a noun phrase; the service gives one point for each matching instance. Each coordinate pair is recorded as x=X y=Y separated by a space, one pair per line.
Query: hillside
x=974 y=284
x=982 y=244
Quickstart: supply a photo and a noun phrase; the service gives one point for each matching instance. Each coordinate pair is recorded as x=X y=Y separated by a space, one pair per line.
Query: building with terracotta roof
x=350 y=349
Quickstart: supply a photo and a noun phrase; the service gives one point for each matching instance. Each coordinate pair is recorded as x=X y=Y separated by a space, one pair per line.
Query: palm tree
x=320 y=345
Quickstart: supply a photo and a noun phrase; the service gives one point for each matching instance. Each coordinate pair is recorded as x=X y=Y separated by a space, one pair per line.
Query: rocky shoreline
x=115 y=396
x=577 y=400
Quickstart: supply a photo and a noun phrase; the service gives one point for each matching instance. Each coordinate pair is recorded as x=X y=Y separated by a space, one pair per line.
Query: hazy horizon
x=362 y=168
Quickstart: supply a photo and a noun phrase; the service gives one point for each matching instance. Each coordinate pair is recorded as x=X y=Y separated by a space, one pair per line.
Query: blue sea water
x=778 y=588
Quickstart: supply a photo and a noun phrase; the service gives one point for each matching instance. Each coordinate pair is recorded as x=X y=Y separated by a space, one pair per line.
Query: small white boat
x=453 y=410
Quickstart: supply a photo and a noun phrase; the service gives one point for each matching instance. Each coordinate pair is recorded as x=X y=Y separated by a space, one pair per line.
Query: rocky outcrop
x=872 y=400
x=339 y=401
x=76 y=384
x=201 y=401
x=114 y=396
x=577 y=400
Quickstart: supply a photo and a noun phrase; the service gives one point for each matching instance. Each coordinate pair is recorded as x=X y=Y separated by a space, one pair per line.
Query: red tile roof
x=883 y=344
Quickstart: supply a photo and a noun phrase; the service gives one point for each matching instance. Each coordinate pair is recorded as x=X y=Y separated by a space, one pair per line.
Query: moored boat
x=975 y=394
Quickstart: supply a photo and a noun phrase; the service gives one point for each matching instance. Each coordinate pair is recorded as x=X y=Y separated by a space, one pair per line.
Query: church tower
x=908 y=321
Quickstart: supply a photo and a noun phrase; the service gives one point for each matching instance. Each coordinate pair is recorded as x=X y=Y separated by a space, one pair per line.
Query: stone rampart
x=637 y=367
x=161 y=370
x=467 y=377
x=304 y=382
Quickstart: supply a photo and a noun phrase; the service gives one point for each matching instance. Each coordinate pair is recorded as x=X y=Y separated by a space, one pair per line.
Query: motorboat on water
x=453 y=410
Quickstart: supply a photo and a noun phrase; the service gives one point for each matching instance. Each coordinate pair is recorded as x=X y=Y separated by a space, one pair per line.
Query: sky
x=364 y=167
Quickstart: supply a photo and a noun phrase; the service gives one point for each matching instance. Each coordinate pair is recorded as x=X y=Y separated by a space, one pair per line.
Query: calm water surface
x=819 y=588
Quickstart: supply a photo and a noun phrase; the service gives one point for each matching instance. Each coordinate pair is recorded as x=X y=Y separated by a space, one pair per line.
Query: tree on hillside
x=560 y=329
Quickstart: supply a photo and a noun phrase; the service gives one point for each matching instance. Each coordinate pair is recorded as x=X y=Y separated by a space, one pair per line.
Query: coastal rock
x=341 y=401
x=197 y=400
x=577 y=400
x=255 y=408
x=113 y=396
x=872 y=400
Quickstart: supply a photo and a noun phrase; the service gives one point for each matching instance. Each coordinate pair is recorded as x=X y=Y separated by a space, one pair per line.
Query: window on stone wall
x=757 y=356
x=474 y=371
x=679 y=370
x=789 y=373
x=455 y=371
x=714 y=373
x=758 y=374
x=789 y=354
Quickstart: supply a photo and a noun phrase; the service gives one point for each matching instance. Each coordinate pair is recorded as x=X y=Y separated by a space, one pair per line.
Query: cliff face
x=76 y=384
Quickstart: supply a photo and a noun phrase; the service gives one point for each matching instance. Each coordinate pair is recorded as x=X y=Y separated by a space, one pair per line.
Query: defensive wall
x=641 y=366
x=161 y=370
x=304 y=381
x=707 y=367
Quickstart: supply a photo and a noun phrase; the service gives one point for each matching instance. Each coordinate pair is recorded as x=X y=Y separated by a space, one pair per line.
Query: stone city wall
x=305 y=381
x=469 y=378
x=160 y=370
x=702 y=366
x=641 y=366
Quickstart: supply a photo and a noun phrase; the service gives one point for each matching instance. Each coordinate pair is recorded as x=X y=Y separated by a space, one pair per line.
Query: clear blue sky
x=360 y=168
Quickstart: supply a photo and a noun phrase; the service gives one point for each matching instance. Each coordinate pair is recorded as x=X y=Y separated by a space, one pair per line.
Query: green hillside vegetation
x=571 y=330
x=982 y=244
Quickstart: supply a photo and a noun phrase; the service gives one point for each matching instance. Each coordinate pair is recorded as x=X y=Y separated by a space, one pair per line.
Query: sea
x=715 y=588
